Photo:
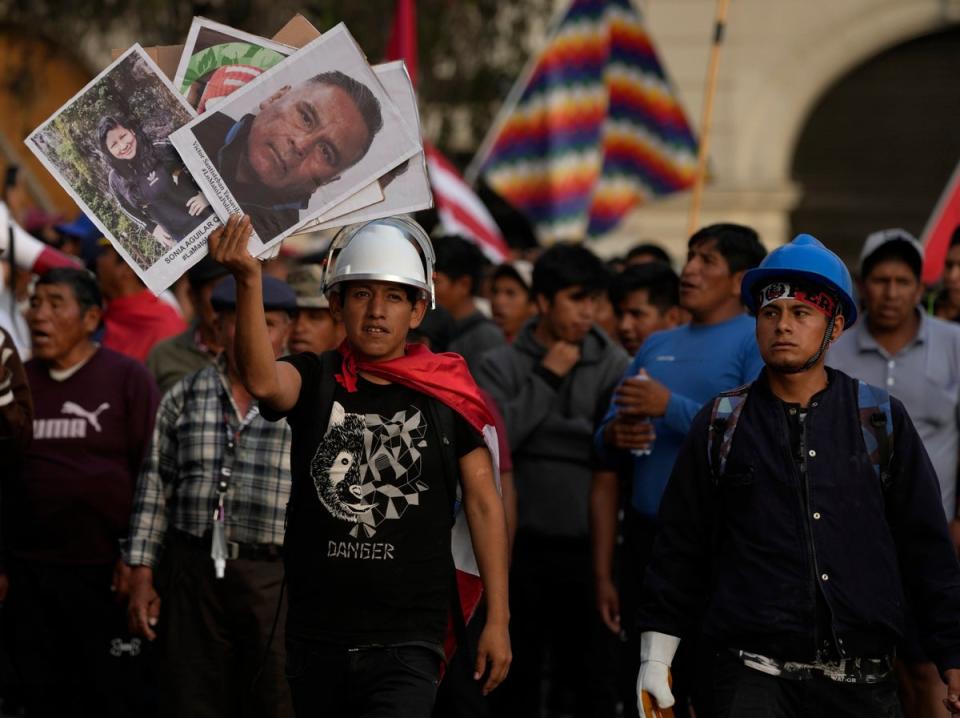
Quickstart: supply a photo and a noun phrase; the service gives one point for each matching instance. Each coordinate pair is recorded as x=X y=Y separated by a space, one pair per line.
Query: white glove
x=656 y=655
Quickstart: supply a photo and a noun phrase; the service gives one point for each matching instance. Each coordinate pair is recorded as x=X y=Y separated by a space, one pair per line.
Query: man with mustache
x=683 y=368
x=301 y=138
x=215 y=464
x=917 y=358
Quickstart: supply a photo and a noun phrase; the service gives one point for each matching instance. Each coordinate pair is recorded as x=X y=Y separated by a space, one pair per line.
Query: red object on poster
x=942 y=223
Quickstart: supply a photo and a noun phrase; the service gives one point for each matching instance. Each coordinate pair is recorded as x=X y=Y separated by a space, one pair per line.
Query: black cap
x=276 y=295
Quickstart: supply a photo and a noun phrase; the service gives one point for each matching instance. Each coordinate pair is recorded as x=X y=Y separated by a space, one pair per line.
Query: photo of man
x=406 y=188
x=298 y=140
x=301 y=138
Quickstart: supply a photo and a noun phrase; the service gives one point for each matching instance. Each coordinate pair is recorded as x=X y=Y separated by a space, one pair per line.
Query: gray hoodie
x=550 y=424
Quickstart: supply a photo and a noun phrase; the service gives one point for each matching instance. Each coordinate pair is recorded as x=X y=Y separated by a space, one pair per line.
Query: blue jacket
x=748 y=552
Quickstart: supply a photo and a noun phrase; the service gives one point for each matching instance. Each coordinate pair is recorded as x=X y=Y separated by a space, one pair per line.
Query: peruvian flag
x=444 y=377
x=942 y=223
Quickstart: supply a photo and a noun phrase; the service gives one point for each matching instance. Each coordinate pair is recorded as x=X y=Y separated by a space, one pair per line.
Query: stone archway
x=880 y=144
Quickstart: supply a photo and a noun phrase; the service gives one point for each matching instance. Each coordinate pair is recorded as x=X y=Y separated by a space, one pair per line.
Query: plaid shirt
x=178 y=483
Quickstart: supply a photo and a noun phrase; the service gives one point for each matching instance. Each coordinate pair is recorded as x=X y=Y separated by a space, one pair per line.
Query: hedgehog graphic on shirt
x=367 y=468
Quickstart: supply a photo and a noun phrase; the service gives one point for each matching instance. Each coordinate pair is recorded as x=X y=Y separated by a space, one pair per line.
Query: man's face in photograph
x=305 y=136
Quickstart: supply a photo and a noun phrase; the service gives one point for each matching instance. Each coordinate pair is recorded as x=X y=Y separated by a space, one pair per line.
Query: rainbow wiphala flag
x=596 y=129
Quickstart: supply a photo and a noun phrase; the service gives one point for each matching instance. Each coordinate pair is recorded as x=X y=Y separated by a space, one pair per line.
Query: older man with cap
x=207 y=528
x=314 y=328
x=198 y=346
x=917 y=358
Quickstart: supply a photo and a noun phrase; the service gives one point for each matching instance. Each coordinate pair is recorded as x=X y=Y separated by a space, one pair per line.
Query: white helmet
x=392 y=249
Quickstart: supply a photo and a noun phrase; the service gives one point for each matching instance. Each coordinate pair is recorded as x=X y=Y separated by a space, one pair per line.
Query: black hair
x=437 y=327
x=145 y=158
x=126 y=171
x=568 y=265
x=659 y=280
x=508 y=270
x=82 y=282
x=366 y=102
x=896 y=249
x=649 y=249
x=739 y=245
x=459 y=257
x=955 y=237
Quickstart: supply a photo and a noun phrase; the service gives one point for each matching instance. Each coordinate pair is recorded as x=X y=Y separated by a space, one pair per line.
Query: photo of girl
x=108 y=146
x=149 y=182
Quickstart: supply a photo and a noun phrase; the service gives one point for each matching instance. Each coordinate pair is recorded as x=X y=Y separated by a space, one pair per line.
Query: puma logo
x=93 y=417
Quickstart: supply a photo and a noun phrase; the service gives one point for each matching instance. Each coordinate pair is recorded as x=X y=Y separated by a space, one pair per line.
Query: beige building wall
x=778 y=59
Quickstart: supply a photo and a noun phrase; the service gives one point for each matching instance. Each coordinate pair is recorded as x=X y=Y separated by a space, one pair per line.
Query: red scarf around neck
x=444 y=376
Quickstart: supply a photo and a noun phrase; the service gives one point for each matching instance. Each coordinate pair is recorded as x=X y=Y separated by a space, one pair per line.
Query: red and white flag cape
x=444 y=377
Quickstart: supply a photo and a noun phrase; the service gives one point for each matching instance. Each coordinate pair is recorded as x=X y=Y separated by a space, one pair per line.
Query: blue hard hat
x=807 y=259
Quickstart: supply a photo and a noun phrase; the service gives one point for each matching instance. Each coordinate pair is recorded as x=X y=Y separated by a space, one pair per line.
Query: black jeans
x=742 y=692
x=692 y=664
x=556 y=633
x=460 y=696
x=372 y=682
x=70 y=646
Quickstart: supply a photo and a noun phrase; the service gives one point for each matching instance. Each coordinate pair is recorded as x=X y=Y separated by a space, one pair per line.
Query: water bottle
x=641 y=376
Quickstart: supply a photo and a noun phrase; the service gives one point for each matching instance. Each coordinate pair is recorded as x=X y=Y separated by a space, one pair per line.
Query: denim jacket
x=747 y=552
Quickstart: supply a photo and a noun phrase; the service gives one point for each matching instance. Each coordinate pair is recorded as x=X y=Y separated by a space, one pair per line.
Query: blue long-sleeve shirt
x=695 y=363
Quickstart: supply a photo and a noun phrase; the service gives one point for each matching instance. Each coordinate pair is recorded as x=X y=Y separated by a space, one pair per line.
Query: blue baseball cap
x=277 y=295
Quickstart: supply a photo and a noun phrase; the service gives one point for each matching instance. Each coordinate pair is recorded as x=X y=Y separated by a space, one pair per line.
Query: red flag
x=446 y=378
x=403 y=36
x=458 y=207
x=936 y=235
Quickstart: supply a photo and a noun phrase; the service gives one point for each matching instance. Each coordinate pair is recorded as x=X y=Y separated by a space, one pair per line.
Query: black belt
x=235 y=549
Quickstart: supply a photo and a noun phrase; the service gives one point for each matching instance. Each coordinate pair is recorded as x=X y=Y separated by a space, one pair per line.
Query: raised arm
x=276 y=384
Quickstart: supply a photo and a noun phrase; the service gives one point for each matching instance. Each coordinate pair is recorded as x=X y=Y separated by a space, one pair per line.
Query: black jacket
x=747 y=553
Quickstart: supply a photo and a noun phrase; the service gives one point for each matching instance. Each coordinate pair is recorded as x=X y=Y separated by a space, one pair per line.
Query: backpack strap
x=724 y=416
x=876 y=424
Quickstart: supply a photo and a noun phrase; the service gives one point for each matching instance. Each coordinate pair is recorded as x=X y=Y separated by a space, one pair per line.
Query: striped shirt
x=197 y=423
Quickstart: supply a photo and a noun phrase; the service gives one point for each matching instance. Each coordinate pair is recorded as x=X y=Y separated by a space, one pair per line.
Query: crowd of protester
x=124 y=425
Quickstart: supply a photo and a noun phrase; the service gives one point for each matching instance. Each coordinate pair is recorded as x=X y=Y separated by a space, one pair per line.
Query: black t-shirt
x=368 y=536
